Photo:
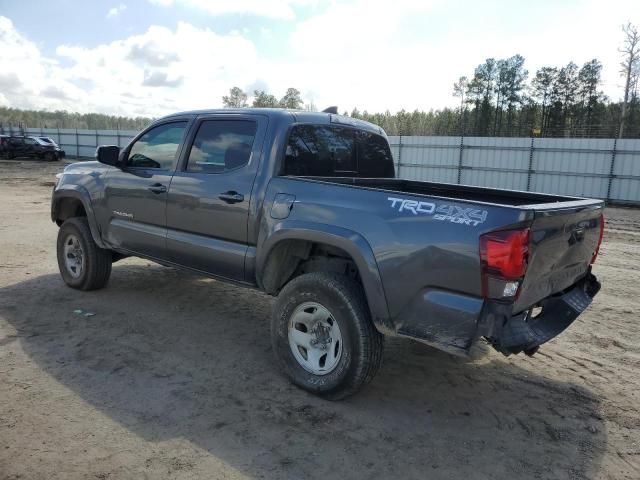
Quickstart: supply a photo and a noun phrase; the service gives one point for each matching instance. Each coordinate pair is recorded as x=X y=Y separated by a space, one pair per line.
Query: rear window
x=328 y=151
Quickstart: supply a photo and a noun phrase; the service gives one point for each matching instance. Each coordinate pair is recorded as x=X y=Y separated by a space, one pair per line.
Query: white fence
x=599 y=168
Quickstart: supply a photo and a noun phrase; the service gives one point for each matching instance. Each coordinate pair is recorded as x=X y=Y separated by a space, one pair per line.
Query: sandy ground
x=173 y=378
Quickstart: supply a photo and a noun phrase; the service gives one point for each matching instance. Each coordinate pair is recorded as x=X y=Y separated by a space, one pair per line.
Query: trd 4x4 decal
x=447 y=213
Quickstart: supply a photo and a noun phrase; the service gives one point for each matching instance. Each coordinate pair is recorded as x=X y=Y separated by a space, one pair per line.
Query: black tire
x=9 y=155
x=50 y=157
x=362 y=344
x=96 y=267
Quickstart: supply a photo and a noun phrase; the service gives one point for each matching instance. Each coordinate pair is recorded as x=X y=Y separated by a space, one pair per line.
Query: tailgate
x=563 y=241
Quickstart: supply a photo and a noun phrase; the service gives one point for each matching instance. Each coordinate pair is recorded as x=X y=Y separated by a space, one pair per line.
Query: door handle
x=157 y=188
x=231 y=197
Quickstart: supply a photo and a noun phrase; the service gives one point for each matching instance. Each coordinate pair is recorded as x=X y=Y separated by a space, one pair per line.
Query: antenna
x=330 y=110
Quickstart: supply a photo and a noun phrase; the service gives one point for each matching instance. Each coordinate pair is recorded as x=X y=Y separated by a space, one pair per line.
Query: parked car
x=49 y=141
x=32 y=147
x=306 y=207
x=4 y=142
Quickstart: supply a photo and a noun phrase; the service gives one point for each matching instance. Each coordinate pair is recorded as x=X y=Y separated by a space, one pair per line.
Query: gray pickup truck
x=306 y=207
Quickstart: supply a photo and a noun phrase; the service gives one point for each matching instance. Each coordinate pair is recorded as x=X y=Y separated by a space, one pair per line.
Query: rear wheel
x=83 y=265
x=323 y=336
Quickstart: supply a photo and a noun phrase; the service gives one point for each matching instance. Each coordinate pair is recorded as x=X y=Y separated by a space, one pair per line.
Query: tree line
x=237 y=98
x=14 y=117
x=499 y=98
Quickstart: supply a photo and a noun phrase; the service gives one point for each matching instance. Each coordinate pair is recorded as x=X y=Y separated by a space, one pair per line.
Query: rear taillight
x=504 y=256
x=595 y=254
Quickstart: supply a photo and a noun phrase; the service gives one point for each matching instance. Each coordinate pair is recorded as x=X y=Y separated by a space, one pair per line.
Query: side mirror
x=108 y=154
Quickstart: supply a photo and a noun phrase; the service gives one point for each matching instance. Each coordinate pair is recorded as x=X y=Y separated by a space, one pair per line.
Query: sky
x=154 y=57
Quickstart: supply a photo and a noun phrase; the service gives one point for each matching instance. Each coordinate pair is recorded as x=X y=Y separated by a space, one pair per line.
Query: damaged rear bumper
x=525 y=332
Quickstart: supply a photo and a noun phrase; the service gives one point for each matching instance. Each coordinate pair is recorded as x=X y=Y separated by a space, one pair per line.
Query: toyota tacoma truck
x=306 y=207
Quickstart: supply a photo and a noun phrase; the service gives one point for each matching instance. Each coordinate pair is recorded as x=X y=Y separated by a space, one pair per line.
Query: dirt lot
x=173 y=378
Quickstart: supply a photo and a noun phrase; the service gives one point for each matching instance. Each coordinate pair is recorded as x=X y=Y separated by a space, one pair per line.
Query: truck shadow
x=171 y=355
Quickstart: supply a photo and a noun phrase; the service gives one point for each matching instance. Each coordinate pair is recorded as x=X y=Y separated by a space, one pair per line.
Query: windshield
x=41 y=141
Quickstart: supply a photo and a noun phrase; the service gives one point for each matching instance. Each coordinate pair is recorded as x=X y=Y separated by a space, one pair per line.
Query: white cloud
x=359 y=53
x=263 y=8
x=371 y=54
x=29 y=73
x=115 y=11
x=156 y=72
x=348 y=56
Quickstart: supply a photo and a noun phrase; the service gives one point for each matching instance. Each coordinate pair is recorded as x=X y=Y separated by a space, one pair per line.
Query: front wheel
x=83 y=265
x=50 y=157
x=323 y=336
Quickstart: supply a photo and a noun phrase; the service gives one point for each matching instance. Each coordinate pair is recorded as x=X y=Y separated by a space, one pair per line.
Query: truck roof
x=290 y=116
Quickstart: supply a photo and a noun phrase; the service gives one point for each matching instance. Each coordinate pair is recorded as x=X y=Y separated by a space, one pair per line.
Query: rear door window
x=221 y=145
x=329 y=151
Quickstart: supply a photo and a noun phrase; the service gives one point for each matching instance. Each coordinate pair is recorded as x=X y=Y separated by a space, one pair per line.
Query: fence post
x=77 y=144
x=97 y=140
x=612 y=168
x=460 y=159
x=530 y=169
x=399 y=155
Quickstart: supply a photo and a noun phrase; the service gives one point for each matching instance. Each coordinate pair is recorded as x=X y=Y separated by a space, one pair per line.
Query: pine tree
x=237 y=98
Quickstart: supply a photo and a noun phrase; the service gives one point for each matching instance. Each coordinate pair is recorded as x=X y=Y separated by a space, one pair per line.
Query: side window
x=327 y=151
x=221 y=145
x=30 y=141
x=374 y=156
x=158 y=148
x=321 y=151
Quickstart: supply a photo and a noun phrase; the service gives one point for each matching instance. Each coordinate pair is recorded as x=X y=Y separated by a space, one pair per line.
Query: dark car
x=4 y=143
x=306 y=207
x=31 y=147
x=48 y=140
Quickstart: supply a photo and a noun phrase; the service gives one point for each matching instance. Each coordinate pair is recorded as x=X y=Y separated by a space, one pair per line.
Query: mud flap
x=524 y=333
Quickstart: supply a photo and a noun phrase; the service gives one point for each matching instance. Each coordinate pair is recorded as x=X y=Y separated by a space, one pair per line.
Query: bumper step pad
x=523 y=333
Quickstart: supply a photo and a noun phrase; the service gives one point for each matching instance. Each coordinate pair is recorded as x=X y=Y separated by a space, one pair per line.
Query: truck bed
x=564 y=231
x=463 y=193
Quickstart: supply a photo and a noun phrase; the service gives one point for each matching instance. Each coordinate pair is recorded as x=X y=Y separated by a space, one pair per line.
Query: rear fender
x=351 y=242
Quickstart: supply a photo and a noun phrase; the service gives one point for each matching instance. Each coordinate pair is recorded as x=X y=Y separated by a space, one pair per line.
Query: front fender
x=79 y=193
x=351 y=242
